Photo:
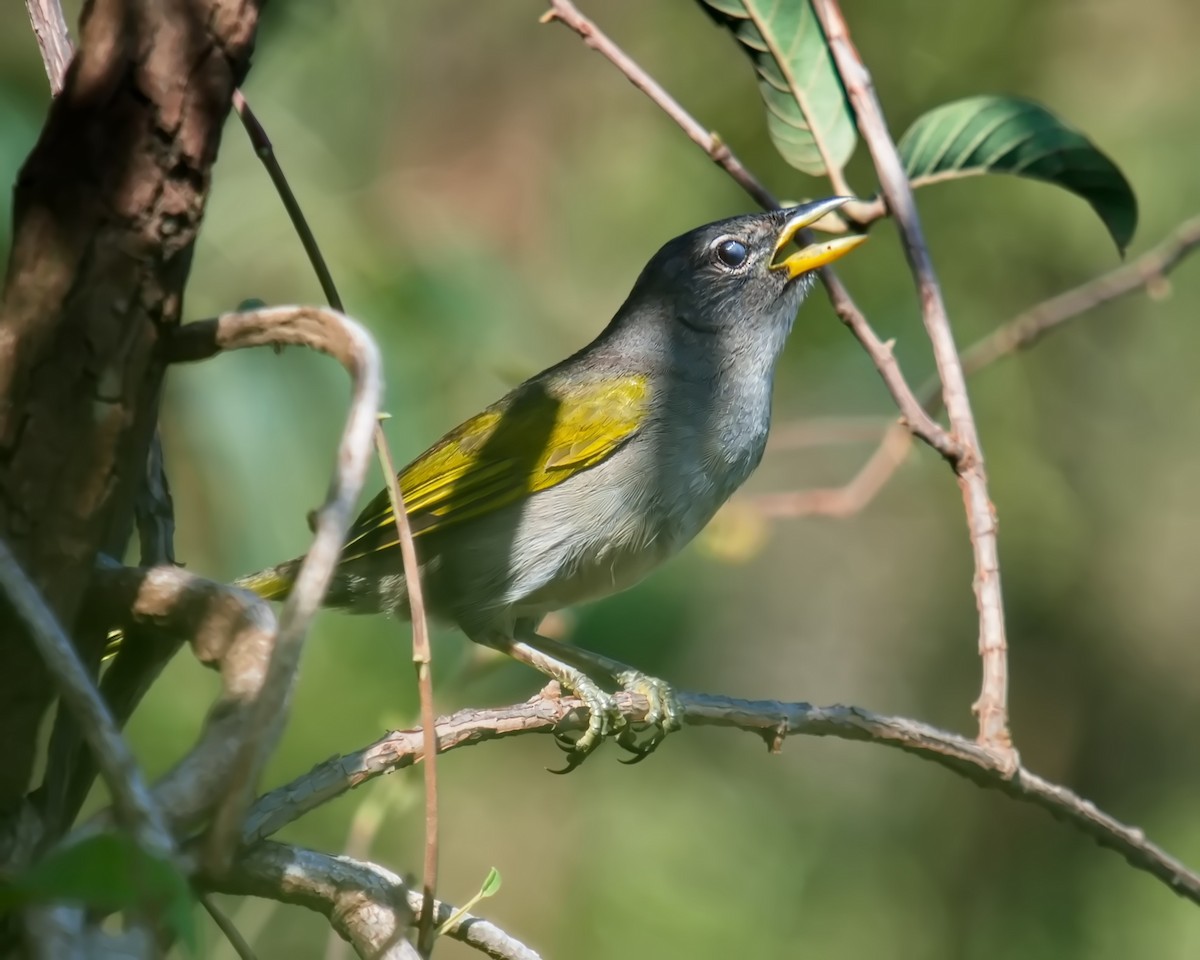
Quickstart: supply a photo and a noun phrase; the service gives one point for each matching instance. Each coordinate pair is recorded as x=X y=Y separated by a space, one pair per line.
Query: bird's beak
x=816 y=254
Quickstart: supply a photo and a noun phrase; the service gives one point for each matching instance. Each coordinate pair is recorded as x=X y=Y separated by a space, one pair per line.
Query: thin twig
x=771 y=720
x=265 y=151
x=421 y=660
x=1149 y=271
x=992 y=705
x=366 y=903
x=850 y=497
x=226 y=926
x=422 y=657
x=136 y=808
x=826 y=432
x=718 y=151
x=53 y=40
x=343 y=339
x=880 y=352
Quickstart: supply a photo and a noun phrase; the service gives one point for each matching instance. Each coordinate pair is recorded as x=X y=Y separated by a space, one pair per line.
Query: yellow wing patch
x=530 y=441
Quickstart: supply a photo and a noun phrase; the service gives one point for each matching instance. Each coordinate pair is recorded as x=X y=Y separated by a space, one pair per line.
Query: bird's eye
x=732 y=253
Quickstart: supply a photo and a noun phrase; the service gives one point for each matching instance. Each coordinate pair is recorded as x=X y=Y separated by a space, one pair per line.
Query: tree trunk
x=106 y=213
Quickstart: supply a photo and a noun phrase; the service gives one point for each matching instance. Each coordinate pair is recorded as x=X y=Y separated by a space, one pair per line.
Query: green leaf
x=109 y=872
x=808 y=115
x=491 y=884
x=1008 y=135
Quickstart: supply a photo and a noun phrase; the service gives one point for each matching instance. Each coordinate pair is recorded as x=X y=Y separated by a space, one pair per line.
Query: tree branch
x=53 y=40
x=1148 y=272
x=106 y=211
x=337 y=335
x=992 y=705
x=718 y=151
x=369 y=905
x=136 y=808
x=771 y=720
x=921 y=424
x=422 y=656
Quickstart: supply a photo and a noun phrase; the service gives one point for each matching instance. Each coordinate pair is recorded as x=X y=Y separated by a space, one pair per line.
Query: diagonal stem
x=422 y=657
x=917 y=420
x=992 y=705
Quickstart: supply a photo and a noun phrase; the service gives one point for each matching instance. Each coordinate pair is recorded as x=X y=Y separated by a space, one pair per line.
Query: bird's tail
x=274 y=583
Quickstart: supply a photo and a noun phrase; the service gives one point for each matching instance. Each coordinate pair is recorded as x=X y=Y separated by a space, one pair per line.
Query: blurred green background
x=486 y=190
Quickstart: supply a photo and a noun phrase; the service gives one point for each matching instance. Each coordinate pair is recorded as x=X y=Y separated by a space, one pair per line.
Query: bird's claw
x=663 y=715
x=604 y=719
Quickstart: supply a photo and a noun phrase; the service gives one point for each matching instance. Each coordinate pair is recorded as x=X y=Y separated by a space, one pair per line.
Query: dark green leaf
x=1008 y=135
x=109 y=872
x=808 y=115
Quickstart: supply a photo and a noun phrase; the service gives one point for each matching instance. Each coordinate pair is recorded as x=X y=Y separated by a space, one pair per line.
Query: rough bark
x=106 y=213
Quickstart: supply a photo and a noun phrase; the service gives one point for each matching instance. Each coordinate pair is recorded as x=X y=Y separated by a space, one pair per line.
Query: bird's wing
x=530 y=441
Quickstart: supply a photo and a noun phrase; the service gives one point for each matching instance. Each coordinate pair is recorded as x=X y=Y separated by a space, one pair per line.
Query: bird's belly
x=603 y=568
x=605 y=541
x=593 y=535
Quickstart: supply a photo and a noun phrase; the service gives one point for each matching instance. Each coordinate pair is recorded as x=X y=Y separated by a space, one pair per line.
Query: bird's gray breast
x=605 y=528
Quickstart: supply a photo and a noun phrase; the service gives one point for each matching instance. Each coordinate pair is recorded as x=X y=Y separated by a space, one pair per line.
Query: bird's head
x=734 y=279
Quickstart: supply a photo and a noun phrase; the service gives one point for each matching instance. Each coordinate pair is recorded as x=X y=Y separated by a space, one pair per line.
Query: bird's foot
x=663 y=715
x=604 y=719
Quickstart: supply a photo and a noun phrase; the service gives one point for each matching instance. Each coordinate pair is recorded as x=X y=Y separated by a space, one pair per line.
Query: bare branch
x=136 y=808
x=850 y=497
x=771 y=720
x=343 y=339
x=992 y=705
x=226 y=926
x=718 y=151
x=1148 y=272
x=880 y=352
x=53 y=40
x=369 y=905
x=229 y=628
x=422 y=657
x=232 y=627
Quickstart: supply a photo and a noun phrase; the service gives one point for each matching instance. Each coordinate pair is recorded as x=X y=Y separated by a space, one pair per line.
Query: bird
x=589 y=475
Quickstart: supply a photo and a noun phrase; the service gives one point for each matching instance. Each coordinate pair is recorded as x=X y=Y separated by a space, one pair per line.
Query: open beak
x=816 y=254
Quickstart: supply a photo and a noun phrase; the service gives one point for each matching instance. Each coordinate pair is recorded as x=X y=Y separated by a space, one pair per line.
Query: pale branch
x=335 y=334
x=228 y=628
x=992 y=705
x=771 y=720
x=921 y=424
x=368 y=904
x=53 y=40
x=718 y=151
x=852 y=496
x=232 y=628
x=831 y=431
x=135 y=806
x=1147 y=272
x=422 y=656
